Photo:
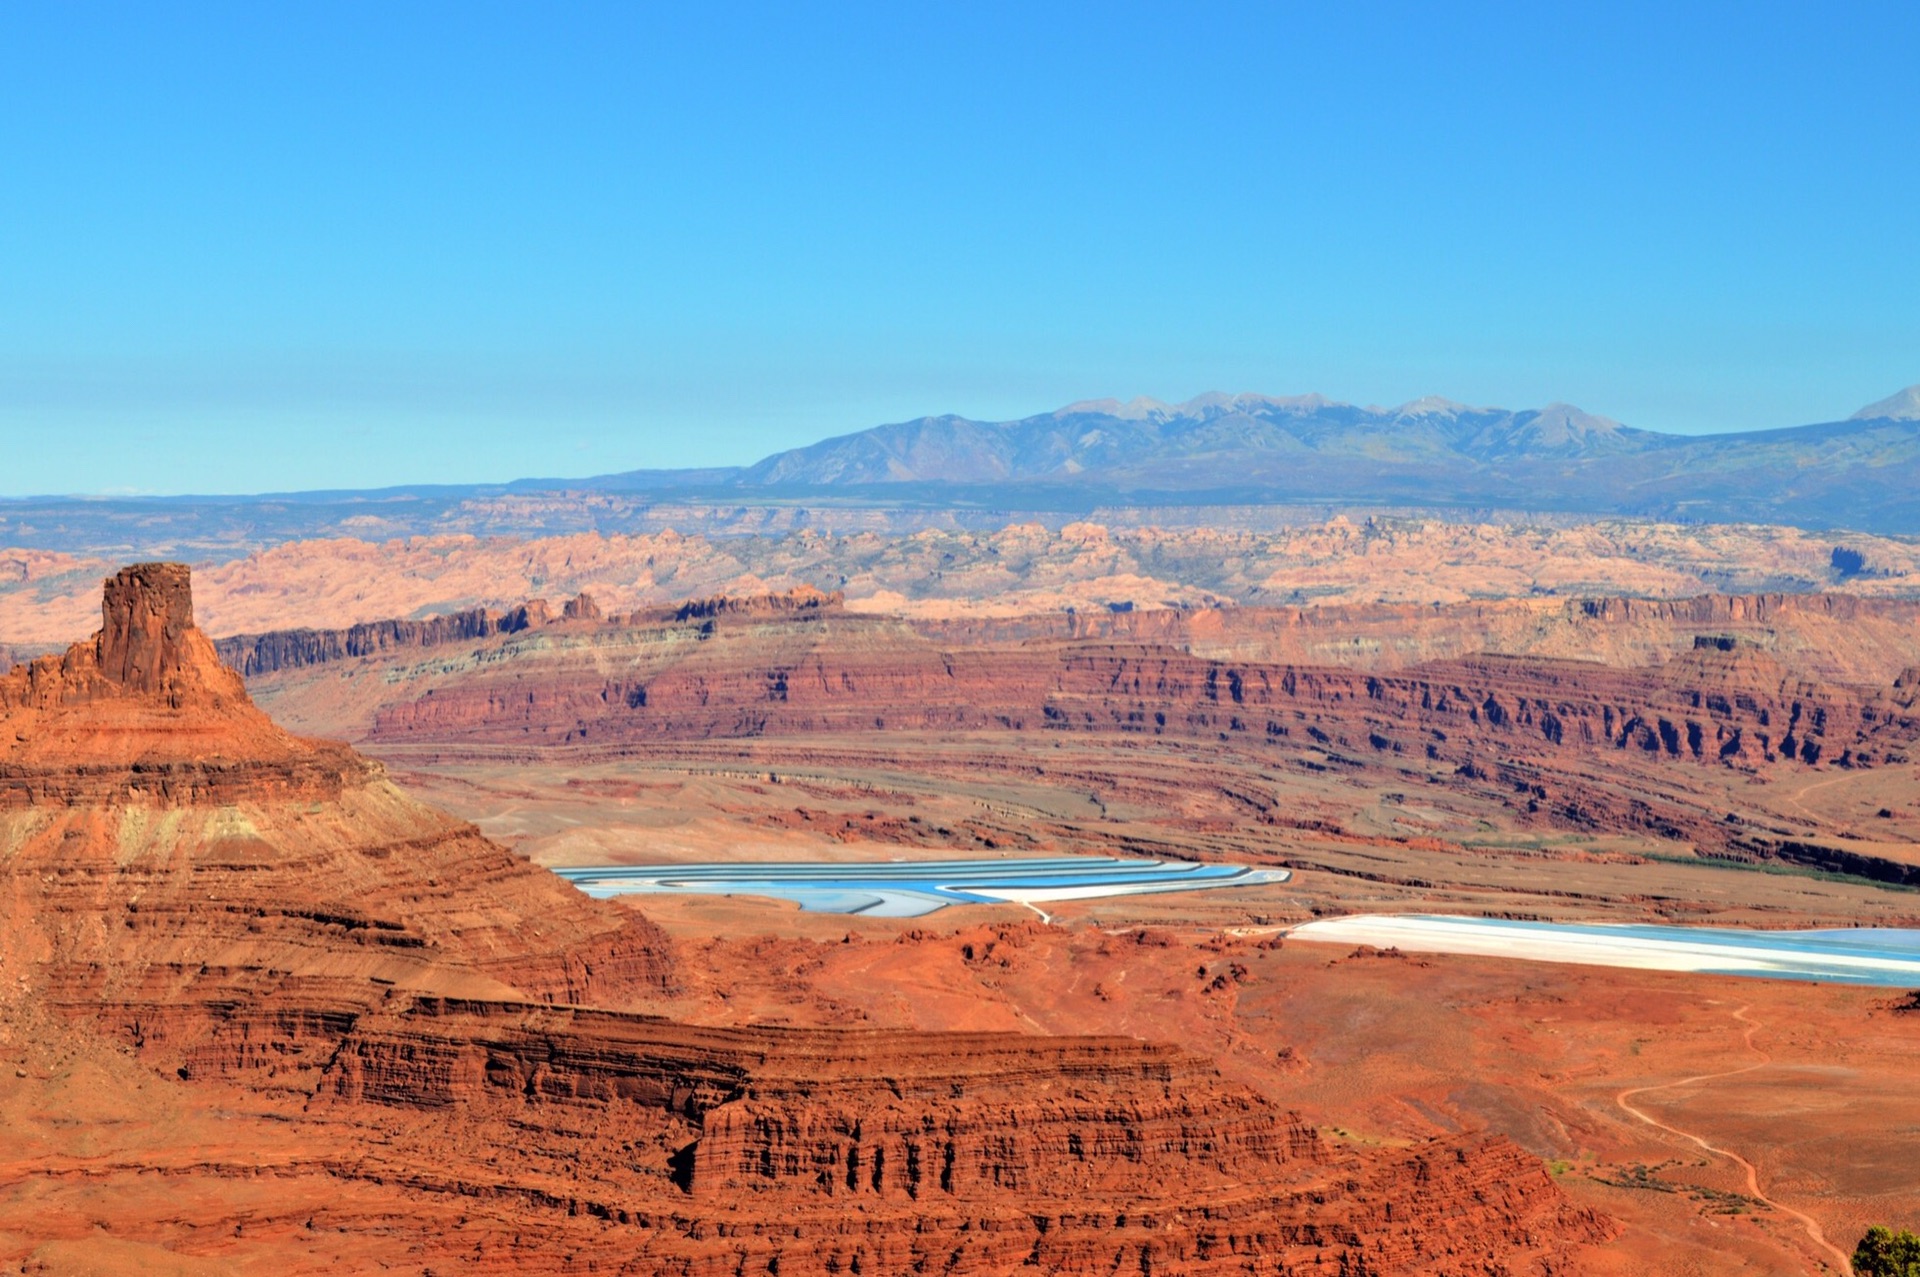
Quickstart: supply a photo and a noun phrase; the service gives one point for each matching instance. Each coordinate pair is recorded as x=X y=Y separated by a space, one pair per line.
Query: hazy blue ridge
x=1861 y=474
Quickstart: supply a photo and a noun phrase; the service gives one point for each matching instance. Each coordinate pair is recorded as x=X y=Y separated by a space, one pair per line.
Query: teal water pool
x=907 y=889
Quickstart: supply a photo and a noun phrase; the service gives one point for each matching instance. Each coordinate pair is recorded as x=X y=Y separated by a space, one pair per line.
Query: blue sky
x=248 y=247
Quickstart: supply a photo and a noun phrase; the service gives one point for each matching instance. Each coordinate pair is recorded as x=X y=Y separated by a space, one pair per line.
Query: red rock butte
x=453 y=1058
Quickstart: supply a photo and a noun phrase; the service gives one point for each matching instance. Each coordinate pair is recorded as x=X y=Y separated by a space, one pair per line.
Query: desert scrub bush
x=1885 y=1253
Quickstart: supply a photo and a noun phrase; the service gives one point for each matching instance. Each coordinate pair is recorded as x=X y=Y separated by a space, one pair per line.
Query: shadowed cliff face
x=269 y=926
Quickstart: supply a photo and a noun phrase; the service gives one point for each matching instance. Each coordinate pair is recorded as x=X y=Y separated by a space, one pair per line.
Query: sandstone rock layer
x=284 y=937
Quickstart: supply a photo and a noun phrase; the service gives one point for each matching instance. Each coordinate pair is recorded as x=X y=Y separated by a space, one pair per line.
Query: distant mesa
x=254 y=655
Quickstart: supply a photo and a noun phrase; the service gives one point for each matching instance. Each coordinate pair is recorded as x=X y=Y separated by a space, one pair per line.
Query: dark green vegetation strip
x=1775 y=868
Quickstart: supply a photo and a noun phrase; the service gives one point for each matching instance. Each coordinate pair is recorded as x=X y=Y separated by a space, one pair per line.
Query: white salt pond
x=1864 y=955
x=910 y=888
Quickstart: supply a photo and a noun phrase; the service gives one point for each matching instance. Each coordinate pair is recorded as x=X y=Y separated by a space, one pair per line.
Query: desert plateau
x=959 y=640
x=268 y=1008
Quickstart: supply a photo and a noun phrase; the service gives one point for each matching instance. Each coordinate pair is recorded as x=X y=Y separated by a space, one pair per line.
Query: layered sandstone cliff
x=186 y=870
x=1724 y=702
x=257 y=655
x=1661 y=748
x=1822 y=636
x=813 y=1151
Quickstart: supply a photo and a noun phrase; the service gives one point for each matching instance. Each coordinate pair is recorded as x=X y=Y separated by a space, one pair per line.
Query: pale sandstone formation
x=1018 y=570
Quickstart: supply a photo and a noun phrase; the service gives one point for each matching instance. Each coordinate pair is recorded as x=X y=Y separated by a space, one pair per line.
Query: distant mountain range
x=1212 y=442
x=1863 y=472
x=1215 y=450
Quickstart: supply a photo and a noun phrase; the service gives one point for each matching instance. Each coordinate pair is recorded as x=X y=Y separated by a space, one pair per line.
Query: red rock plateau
x=262 y=1012
x=1742 y=698
x=1740 y=759
x=1019 y=570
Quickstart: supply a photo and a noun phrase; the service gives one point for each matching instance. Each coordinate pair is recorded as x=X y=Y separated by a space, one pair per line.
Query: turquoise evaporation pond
x=910 y=888
x=1886 y=957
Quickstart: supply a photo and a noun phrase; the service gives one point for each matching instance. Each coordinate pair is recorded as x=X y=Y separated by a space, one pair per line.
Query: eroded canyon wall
x=810 y=672
x=282 y=932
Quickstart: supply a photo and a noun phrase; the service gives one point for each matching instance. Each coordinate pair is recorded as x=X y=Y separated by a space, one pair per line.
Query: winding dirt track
x=1814 y=1231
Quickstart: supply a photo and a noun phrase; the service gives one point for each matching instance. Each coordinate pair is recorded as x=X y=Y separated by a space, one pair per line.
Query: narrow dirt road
x=1842 y=1261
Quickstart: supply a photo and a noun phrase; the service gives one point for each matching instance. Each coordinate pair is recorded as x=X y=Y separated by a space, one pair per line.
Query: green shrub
x=1885 y=1253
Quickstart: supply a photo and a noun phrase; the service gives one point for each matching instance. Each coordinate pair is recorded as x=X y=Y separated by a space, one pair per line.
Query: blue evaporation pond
x=1887 y=957
x=907 y=889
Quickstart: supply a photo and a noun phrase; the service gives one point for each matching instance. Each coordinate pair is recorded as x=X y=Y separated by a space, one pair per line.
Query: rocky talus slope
x=328 y=985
